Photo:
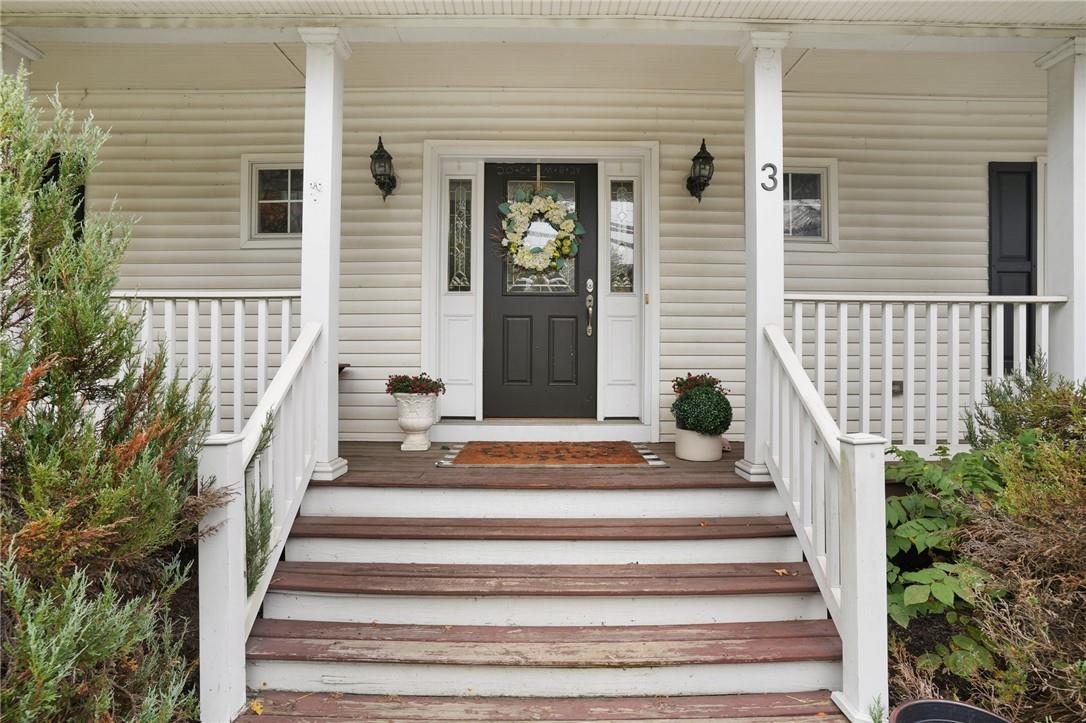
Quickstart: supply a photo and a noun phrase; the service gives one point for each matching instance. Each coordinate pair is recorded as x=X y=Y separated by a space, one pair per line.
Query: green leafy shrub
x=1007 y=523
x=923 y=573
x=703 y=409
x=98 y=450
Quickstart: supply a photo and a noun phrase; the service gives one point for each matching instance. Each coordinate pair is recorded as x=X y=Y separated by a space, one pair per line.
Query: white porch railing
x=283 y=469
x=911 y=366
x=833 y=490
x=236 y=338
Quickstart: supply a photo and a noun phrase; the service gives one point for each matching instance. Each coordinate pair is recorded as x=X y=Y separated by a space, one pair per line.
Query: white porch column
x=1065 y=211
x=763 y=215
x=325 y=51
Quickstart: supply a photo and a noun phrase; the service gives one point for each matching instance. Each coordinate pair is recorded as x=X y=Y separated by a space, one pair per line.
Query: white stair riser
x=544 y=552
x=490 y=680
x=521 y=610
x=551 y=504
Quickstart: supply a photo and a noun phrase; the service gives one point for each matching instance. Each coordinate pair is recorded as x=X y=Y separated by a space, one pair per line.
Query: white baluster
x=1019 y=337
x=797 y=329
x=776 y=376
x=976 y=348
x=239 y=364
x=865 y=367
x=147 y=335
x=932 y=419
x=818 y=497
x=997 y=341
x=887 y=370
x=820 y=349
x=1042 y=329
x=909 y=383
x=953 y=374
x=215 y=374
x=169 y=321
x=805 y=476
x=842 y=366
x=192 y=341
x=261 y=347
x=284 y=333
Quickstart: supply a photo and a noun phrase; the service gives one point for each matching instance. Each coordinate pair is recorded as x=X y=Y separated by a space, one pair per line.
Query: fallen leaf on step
x=782 y=572
x=256 y=706
x=703 y=523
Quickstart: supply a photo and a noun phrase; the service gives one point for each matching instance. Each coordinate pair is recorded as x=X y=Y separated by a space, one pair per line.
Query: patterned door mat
x=550 y=455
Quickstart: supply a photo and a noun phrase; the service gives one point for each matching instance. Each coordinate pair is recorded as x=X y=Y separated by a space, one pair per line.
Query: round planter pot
x=695 y=447
x=942 y=711
x=417 y=413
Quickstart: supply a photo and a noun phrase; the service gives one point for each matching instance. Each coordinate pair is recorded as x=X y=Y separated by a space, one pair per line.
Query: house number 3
x=770 y=184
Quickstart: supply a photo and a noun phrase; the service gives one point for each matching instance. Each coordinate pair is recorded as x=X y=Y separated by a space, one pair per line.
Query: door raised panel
x=517 y=342
x=563 y=350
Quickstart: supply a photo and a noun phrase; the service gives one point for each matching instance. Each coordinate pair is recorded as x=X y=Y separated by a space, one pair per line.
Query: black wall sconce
x=381 y=167
x=701 y=172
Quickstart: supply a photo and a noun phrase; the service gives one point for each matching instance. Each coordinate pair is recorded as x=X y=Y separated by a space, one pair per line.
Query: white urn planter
x=417 y=413
x=696 y=447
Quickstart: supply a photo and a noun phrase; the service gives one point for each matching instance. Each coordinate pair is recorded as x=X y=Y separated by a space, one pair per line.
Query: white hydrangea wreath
x=517 y=218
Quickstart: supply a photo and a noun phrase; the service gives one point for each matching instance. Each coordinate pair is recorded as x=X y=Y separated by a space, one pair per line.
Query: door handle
x=589 y=303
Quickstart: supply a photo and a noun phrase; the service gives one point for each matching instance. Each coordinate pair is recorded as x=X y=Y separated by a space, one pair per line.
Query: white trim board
x=442 y=158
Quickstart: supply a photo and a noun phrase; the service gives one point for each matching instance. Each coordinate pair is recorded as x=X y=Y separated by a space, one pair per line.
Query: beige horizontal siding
x=913 y=202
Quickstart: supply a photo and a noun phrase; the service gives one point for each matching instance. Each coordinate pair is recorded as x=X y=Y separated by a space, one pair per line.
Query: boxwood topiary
x=703 y=409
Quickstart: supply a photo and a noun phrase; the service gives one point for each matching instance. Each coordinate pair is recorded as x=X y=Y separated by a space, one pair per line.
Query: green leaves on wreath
x=520 y=196
x=574 y=247
x=504 y=208
x=579 y=228
x=560 y=264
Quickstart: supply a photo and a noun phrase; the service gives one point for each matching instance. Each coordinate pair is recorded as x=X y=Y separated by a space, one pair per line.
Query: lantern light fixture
x=701 y=172
x=384 y=176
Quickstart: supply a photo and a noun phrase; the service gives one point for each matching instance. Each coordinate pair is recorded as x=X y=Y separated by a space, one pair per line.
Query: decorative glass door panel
x=549 y=281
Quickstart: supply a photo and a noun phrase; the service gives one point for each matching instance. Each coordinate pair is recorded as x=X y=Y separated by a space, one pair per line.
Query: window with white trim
x=810 y=199
x=271 y=212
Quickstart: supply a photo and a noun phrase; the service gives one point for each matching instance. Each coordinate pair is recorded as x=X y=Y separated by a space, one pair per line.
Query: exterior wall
x=912 y=175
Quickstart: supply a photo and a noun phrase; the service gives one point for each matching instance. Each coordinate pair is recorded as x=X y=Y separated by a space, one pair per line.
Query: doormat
x=550 y=455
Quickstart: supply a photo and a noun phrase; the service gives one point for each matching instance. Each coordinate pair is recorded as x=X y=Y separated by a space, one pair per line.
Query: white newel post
x=763 y=214
x=222 y=583
x=864 y=664
x=325 y=51
x=1065 y=212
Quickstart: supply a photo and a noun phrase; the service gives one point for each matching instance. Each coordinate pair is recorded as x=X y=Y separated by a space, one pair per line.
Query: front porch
x=825 y=338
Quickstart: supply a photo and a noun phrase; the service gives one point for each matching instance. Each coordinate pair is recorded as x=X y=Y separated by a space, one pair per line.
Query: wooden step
x=542 y=541
x=544 y=580
x=552 y=647
x=644 y=594
x=801 y=707
x=411 y=528
x=545 y=661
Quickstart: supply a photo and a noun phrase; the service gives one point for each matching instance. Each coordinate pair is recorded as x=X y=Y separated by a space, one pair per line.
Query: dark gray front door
x=538 y=357
x=1012 y=242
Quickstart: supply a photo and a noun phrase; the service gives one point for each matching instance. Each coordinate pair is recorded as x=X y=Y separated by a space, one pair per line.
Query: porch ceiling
x=1004 y=25
x=994 y=13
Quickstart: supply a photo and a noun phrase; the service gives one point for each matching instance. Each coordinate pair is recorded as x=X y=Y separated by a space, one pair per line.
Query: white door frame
x=436 y=155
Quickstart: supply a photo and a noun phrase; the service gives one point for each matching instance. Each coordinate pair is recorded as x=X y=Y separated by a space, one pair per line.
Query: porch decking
x=411 y=592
